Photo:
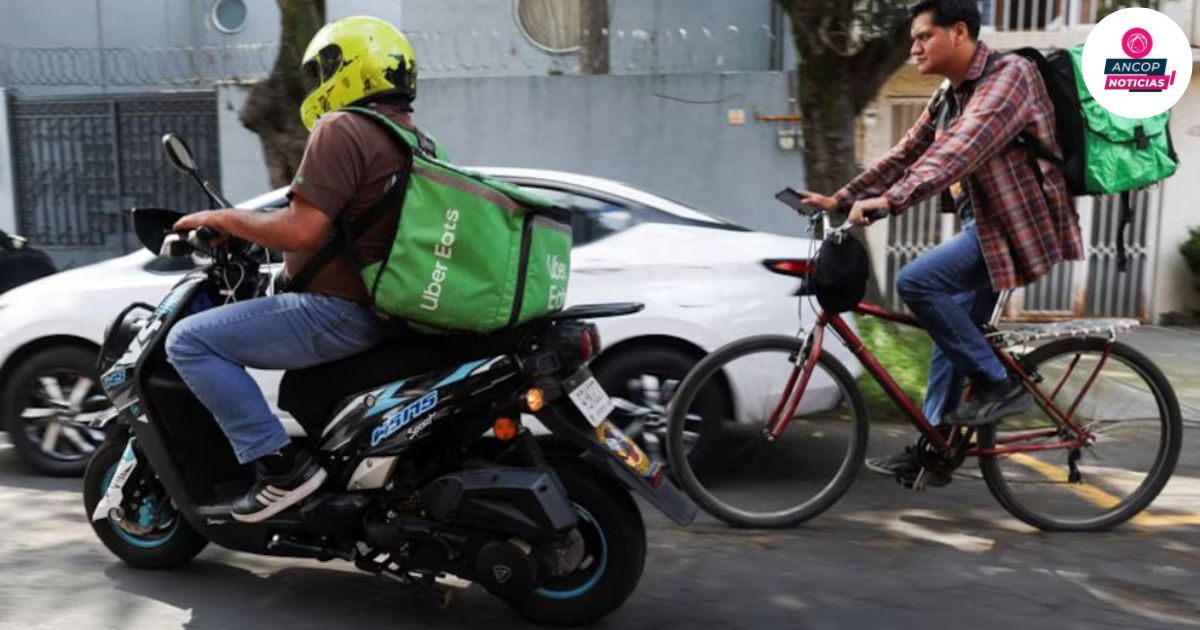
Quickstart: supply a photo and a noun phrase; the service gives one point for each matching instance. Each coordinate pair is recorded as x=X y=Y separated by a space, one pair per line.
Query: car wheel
x=647 y=377
x=45 y=407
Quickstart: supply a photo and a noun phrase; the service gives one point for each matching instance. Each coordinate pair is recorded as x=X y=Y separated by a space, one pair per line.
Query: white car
x=702 y=279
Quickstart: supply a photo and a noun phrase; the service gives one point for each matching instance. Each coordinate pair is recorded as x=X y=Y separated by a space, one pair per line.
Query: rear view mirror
x=179 y=153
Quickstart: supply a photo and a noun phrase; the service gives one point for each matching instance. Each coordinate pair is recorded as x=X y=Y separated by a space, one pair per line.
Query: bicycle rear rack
x=1026 y=333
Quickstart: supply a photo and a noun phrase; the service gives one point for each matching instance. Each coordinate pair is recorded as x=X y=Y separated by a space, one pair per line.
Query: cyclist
x=1017 y=223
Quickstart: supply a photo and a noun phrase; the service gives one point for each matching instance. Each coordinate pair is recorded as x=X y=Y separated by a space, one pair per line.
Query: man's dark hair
x=949 y=12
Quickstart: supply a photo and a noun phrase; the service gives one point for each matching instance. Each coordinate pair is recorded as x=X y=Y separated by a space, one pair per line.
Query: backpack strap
x=418 y=142
x=1126 y=219
x=346 y=233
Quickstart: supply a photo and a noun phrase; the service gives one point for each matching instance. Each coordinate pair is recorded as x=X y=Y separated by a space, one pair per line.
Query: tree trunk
x=837 y=84
x=593 y=49
x=273 y=109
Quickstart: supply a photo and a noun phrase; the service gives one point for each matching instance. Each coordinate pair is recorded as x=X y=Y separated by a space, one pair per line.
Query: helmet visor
x=321 y=69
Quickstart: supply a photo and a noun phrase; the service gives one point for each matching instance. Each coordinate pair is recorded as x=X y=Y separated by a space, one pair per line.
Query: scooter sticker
x=400 y=418
x=113 y=495
x=623 y=448
x=115 y=378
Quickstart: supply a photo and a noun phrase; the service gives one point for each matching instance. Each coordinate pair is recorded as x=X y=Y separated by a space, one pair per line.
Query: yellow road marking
x=1099 y=497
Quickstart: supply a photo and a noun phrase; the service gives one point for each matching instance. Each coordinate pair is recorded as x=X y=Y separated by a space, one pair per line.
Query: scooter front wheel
x=151 y=533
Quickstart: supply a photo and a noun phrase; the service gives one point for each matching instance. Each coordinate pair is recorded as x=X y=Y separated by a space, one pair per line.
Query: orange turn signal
x=505 y=429
x=535 y=399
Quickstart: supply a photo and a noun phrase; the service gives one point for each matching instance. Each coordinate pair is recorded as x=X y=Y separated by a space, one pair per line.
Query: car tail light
x=797 y=267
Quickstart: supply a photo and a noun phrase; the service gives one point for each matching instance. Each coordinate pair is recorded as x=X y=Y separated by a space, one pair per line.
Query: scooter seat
x=312 y=394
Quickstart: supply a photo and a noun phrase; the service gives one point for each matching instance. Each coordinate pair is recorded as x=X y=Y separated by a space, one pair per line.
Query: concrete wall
x=666 y=133
x=243 y=167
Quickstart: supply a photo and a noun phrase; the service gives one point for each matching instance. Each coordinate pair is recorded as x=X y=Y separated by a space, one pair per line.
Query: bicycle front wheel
x=1118 y=396
x=751 y=480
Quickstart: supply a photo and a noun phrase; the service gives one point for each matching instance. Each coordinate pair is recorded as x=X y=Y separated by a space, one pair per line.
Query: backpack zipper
x=522 y=268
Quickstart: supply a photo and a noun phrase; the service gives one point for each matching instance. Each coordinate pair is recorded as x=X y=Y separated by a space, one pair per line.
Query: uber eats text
x=432 y=295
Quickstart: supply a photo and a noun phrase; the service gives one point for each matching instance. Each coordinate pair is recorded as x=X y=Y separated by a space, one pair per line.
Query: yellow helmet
x=353 y=58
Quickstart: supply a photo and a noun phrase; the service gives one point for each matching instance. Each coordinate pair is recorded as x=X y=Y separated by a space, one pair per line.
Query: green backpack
x=1101 y=153
x=471 y=254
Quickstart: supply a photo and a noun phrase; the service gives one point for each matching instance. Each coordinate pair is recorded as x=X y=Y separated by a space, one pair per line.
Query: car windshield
x=689 y=212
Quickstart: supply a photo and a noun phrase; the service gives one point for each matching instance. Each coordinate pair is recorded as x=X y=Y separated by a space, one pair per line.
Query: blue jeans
x=212 y=349
x=949 y=291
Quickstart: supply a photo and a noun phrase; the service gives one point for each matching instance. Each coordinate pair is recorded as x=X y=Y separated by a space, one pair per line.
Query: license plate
x=590 y=399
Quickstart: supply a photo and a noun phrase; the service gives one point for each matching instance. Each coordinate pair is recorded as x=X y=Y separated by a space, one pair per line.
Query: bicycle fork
x=804 y=360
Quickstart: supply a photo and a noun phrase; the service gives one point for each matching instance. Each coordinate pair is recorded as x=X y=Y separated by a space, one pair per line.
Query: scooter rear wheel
x=615 y=553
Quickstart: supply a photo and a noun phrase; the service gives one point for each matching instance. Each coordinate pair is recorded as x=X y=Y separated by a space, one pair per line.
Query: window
x=552 y=25
x=229 y=16
x=591 y=219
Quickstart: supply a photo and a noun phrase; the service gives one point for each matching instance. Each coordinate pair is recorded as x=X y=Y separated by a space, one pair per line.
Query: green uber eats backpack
x=471 y=254
x=1102 y=153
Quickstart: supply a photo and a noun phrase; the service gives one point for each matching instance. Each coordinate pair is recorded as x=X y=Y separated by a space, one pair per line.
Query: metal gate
x=81 y=163
x=1089 y=288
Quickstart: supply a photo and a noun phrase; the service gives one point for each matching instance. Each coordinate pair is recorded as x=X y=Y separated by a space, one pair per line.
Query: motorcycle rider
x=349 y=163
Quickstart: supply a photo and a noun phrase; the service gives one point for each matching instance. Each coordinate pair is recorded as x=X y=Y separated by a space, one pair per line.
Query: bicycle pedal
x=916 y=484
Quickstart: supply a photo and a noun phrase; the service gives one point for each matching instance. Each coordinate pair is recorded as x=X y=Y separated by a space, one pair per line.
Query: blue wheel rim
x=597 y=571
x=137 y=541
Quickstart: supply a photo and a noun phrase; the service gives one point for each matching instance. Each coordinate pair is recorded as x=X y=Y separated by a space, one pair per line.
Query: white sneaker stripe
x=295 y=496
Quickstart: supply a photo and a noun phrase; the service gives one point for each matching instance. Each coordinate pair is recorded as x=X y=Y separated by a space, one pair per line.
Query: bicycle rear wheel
x=752 y=481
x=1124 y=401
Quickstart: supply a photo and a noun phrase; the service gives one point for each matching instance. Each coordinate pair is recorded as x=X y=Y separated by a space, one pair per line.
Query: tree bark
x=836 y=84
x=272 y=110
x=593 y=48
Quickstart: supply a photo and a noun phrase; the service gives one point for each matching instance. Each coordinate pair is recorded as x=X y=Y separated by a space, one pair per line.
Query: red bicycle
x=1097 y=448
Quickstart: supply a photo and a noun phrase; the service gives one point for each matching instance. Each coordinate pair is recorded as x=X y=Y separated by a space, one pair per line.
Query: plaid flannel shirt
x=1024 y=228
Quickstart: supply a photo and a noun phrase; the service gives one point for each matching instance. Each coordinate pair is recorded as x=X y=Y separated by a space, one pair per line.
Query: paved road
x=883 y=558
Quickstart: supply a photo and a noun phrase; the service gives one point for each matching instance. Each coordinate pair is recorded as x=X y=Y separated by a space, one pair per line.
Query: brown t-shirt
x=348 y=165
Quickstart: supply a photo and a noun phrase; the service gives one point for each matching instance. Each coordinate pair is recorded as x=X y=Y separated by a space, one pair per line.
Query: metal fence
x=82 y=163
x=1110 y=292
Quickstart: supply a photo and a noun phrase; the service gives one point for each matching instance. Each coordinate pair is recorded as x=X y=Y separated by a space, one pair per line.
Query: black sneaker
x=272 y=494
x=905 y=466
x=904 y=463
x=991 y=402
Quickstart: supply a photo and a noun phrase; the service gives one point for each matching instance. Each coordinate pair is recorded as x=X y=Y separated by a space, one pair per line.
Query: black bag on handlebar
x=840 y=279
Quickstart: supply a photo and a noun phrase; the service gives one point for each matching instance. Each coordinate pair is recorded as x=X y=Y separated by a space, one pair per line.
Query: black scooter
x=431 y=471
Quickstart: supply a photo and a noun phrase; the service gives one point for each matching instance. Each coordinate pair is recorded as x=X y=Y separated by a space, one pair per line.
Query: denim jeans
x=949 y=291
x=212 y=349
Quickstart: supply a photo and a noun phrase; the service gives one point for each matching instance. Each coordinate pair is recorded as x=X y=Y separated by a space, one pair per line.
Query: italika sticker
x=1138 y=72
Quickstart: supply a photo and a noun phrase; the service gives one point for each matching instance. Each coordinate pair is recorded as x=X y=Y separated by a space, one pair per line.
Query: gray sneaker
x=991 y=402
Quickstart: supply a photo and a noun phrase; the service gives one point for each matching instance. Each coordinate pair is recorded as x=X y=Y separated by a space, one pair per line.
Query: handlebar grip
x=875 y=215
x=205 y=235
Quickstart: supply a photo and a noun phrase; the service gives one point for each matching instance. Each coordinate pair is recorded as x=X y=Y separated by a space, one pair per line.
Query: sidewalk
x=1177 y=353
